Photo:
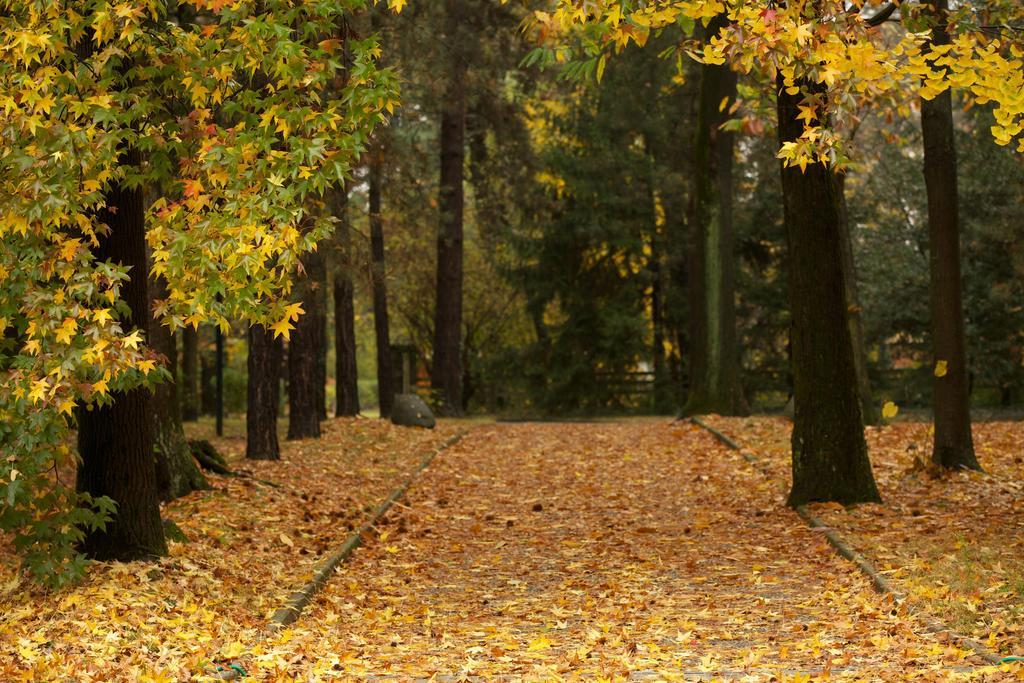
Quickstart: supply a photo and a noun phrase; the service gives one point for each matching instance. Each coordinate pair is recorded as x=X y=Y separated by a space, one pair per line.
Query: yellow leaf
x=941 y=368
x=286 y=540
x=233 y=650
x=889 y=410
x=540 y=643
x=68 y=328
x=281 y=328
x=39 y=388
x=101 y=316
x=132 y=340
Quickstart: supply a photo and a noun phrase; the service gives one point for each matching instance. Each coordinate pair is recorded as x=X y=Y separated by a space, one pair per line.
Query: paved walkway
x=635 y=550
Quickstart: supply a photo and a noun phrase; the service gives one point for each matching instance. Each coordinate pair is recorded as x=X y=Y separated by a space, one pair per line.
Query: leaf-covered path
x=578 y=551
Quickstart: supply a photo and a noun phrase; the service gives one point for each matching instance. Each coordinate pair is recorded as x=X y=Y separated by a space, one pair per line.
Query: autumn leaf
x=539 y=643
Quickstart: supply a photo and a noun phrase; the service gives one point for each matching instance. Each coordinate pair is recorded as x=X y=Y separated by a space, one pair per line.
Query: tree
x=953 y=446
x=714 y=357
x=446 y=368
x=830 y=460
x=305 y=347
x=346 y=373
x=190 y=375
x=870 y=413
x=115 y=441
x=177 y=472
x=378 y=274
x=137 y=100
x=263 y=391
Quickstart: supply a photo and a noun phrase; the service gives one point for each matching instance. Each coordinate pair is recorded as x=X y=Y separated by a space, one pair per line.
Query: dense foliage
x=232 y=120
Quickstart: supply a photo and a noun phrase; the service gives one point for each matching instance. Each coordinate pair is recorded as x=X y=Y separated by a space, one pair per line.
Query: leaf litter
x=637 y=550
x=250 y=544
x=952 y=542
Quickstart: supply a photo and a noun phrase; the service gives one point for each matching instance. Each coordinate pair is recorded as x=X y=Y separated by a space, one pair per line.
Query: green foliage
x=588 y=255
x=888 y=209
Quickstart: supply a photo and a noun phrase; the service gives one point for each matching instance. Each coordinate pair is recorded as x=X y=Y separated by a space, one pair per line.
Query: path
x=636 y=550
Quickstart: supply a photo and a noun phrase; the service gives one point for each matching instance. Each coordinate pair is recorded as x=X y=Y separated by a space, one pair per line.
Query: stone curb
x=300 y=598
x=843 y=547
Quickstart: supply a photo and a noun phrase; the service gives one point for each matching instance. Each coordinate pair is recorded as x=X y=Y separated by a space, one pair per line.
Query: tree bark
x=207 y=392
x=190 y=374
x=953 y=444
x=346 y=372
x=115 y=441
x=657 y=326
x=830 y=460
x=177 y=472
x=714 y=355
x=304 y=352
x=446 y=370
x=869 y=409
x=385 y=392
x=220 y=361
x=263 y=395
x=321 y=357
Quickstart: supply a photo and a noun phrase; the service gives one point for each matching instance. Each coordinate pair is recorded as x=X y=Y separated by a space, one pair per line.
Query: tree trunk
x=675 y=294
x=220 y=361
x=346 y=372
x=657 y=326
x=263 y=394
x=953 y=445
x=321 y=356
x=304 y=352
x=190 y=374
x=385 y=392
x=714 y=355
x=115 y=441
x=446 y=370
x=207 y=392
x=869 y=410
x=177 y=473
x=830 y=460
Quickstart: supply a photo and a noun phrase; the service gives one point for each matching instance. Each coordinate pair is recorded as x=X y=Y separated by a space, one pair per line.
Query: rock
x=173 y=532
x=409 y=410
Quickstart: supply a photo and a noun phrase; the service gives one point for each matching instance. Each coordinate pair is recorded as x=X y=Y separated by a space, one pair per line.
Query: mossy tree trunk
x=346 y=372
x=385 y=392
x=869 y=408
x=177 y=472
x=713 y=355
x=953 y=444
x=830 y=460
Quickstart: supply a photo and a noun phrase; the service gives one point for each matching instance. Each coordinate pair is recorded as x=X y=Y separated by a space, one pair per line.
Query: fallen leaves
x=658 y=555
x=206 y=604
x=952 y=543
x=655 y=554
